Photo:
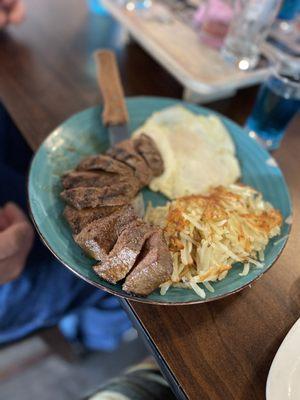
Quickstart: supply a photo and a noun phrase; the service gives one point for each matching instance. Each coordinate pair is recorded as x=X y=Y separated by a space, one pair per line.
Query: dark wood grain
x=47 y=70
x=219 y=351
x=111 y=88
x=223 y=350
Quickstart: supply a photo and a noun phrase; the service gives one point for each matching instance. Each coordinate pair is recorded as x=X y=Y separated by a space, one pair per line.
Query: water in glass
x=277 y=102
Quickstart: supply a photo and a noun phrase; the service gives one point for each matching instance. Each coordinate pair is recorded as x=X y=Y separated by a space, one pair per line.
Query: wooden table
x=217 y=351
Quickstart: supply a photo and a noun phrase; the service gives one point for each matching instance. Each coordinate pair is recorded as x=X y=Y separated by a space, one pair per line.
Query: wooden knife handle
x=114 y=111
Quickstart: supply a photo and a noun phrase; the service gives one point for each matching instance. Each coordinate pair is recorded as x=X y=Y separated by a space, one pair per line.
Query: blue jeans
x=46 y=293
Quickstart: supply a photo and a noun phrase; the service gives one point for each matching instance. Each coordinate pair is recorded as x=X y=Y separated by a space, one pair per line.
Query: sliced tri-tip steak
x=147 y=148
x=154 y=266
x=78 y=219
x=99 y=237
x=105 y=163
x=74 y=179
x=90 y=197
x=125 y=252
x=126 y=153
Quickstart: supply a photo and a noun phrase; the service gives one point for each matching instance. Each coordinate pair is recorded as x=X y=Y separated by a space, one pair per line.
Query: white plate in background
x=284 y=376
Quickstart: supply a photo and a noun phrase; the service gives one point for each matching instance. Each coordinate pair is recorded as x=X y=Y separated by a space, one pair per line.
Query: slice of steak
x=125 y=252
x=153 y=267
x=98 y=238
x=78 y=219
x=147 y=148
x=116 y=195
x=104 y=163
x=126 y=153
x=75 y=179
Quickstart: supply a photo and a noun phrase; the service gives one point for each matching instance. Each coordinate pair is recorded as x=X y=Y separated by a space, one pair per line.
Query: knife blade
x=117 y=133
x=115 y=114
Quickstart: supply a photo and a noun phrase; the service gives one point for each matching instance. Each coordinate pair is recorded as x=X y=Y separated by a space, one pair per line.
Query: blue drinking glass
x=289 y=9
x=278 y=100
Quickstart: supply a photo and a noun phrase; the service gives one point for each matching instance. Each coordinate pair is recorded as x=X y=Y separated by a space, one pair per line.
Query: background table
x=175 y=44
x=218 y=351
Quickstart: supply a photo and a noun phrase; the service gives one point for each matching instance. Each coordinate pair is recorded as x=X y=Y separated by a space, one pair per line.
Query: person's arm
x=11 y=12
x=16 y=240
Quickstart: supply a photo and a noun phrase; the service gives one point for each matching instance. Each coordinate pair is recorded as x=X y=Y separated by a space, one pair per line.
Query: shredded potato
x=206 y=235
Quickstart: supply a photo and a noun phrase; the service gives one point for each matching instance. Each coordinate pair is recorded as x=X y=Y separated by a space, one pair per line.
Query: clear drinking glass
x=251 y=23
x=277 y=102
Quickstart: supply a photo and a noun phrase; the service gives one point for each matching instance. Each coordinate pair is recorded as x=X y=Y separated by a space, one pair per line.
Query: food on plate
x=78 y=219
x=98 y=237
x=110 y=195
x=197 y=151
x=103 y=163
x=210 y=224
x=104 y=213
x=155 y=266
x=86 y=197
x=74 y=179
x=207 y=234
x=146 y=147
x=125 y=252
x=126 y=153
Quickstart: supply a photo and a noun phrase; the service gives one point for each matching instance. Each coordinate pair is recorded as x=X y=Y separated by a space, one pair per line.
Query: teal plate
x=82 y=135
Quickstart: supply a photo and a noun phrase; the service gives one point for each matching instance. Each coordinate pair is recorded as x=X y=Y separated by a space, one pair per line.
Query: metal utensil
x=115 y=115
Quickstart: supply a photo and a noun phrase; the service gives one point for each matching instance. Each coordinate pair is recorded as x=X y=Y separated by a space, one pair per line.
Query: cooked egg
x=197 y=151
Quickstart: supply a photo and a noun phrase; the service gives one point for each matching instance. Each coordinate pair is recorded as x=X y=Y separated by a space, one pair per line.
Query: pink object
x=214 y=17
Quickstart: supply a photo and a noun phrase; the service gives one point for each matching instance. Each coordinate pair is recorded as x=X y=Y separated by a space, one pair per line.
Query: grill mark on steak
x=125 y=252
x=126 y=153
x=154 y=266
x=98 y=192
x=115 y=195
x=98 y=238
x=104 y=163
x=147 y=148
x=75 y=179
x=78 y=219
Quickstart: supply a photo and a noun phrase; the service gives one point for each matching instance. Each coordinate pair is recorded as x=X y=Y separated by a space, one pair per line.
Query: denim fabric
x=47 y=293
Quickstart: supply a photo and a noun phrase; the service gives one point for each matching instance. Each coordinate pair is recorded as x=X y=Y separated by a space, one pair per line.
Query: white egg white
x=198 y=152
